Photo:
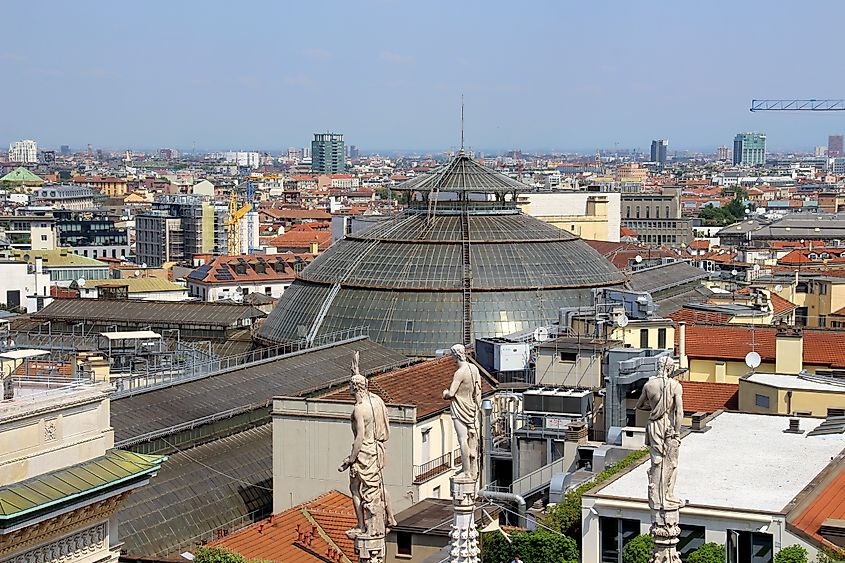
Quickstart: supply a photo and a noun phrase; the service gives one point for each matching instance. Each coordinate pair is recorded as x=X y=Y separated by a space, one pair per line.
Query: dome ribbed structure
x=461 y=262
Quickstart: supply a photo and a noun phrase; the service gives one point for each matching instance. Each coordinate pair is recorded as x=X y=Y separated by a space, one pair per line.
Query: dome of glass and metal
x=461 y=262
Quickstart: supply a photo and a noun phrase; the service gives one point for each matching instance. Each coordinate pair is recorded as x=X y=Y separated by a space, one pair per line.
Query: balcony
x=433 y=468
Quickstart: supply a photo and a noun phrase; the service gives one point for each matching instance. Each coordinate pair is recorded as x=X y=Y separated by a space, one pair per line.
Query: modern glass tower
x=658 y=151
x=750 y=149
x=328 y=153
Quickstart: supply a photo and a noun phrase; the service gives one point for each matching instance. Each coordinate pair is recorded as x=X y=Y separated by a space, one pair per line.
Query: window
x=643 y=338
x=761 y=401
x=627 y=211
x=822 y=320
x=614 y=534
x=638 y=212
x=435 y=492
x=667 y=211
x=13 y=298
x=568 y=356
x=749 y=547
x=822 y=288
x=801 y=316
x=409 y=326
x=661 y=338
x=44 y=238
x=404 y=545
x=426 y=434
x=691 y=538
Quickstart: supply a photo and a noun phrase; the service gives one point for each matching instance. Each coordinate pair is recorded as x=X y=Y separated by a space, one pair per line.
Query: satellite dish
x=752 y=360
x=622 y=321
x=778 y=288
x=756 y=267
x=638 y=258
x=541 y=334
x=734 y=272
x=144 y=265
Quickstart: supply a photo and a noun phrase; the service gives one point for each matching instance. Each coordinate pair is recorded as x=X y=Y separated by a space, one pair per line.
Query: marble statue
x=662 y=395
x=370 y=429
x=465 y=394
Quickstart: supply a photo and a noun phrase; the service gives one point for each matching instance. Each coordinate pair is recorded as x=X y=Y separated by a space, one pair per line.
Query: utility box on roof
x=511 y=356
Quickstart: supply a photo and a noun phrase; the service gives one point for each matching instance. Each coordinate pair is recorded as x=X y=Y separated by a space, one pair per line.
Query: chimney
x=789 y=350
x=597 y=206
x=39 y=268
x=699 y=422
x=682 y=345
x=794 y=426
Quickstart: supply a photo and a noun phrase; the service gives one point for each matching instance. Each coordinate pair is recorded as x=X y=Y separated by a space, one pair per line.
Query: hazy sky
x=389 y=74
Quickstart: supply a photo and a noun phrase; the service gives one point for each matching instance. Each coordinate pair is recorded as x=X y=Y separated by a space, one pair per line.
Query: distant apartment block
x=723 y=153
x=834 y=146
x=657 y=217
x=242 y=158
x=25 y=151
x=658 y=151
x=750 y=149
x=178 y=227
x=328 y=153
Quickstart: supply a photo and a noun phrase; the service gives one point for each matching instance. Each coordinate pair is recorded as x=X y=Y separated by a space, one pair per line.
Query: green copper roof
x=51 y=488
x=21 y=175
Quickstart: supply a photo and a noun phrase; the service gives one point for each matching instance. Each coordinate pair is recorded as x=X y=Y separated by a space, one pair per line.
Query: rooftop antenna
x=462 y=123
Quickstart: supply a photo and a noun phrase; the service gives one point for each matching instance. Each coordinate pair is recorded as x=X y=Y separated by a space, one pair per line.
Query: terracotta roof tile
x=828 y=503
x=313 y=532
x=420 y=385
x=701 y=396
x=693 y=316
x=821 y=347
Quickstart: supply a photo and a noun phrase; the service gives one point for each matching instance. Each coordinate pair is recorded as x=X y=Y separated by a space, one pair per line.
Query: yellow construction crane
x=233 y=224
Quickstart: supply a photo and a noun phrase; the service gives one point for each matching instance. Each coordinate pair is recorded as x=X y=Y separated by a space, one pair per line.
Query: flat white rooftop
x=796 y=382
x=22 y=354
x=744 y=461
x=131 y=335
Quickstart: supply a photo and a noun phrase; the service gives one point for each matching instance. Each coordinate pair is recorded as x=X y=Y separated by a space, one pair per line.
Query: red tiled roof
x=828 y=503
x=702 y=396
x=313 y=532
x=694 y=316
x=297 y=214
x=229 y=265
x=780 y=305
x=420 y=385
x=627 y=232
x=821 y=347
x=700 y=245
x=301 y=236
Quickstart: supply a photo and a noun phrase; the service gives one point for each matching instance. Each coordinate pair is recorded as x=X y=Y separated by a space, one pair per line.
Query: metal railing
x=40 y=386
x=181 y=371
x=537 y=479
x=433 y=468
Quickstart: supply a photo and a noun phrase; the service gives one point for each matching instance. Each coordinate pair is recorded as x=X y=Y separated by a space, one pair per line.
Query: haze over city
x=545 y=75
x=422 y=282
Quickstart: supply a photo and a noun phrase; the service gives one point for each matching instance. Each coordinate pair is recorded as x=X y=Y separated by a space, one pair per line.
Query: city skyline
x=211 y=77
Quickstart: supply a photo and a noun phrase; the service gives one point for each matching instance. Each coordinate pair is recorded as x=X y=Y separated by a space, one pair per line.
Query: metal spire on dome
x=462 y=123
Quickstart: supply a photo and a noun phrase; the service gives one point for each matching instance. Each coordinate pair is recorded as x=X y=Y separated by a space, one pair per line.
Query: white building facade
x=25 y=151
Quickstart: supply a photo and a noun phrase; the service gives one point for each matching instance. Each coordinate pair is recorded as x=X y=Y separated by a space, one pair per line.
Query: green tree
x=566 y=515
x=536 y=546
x=829 y=555
x=638 y=550
x=792 y=554
x=217 y=555
x=708 y=553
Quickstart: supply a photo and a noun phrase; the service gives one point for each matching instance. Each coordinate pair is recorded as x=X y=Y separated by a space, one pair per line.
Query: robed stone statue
x=662 y=395
x=465 y=394
x=366 y=461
